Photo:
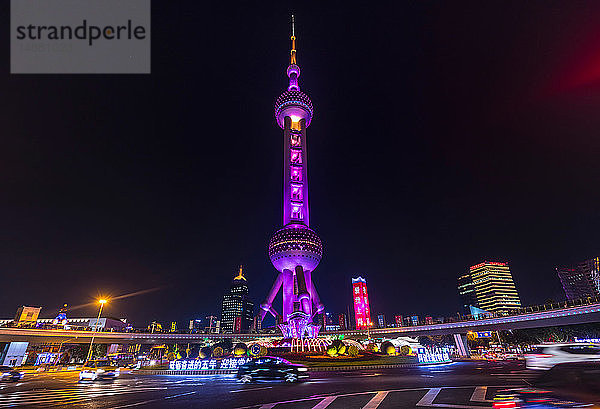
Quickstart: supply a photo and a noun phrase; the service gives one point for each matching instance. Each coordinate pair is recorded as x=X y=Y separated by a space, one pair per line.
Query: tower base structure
x=299 y=326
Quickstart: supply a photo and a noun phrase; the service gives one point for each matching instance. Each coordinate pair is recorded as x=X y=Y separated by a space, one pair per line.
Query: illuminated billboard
x=362 y=311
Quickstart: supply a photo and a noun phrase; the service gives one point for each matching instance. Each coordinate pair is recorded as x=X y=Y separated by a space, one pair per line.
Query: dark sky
x=445 y=133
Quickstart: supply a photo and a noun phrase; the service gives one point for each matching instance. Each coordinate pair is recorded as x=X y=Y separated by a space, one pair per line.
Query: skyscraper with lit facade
x=490 y=285
x=237 y=310
x=466 y=290
x=362 y=310
x=295 y=250
x=582 y=281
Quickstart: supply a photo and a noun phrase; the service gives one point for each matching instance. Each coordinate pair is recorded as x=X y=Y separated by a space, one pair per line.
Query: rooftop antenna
x=293 y=52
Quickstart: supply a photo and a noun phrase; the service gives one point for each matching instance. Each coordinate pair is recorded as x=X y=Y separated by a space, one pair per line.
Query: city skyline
x=167 y=181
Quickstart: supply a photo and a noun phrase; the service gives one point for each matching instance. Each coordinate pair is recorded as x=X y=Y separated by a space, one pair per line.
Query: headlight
x=100 y=371
x=302 y=369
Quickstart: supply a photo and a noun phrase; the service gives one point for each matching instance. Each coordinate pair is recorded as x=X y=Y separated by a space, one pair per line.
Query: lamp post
x=102 y=302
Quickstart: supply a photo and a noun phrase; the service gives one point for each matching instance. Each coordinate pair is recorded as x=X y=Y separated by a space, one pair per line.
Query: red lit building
x=362 y=311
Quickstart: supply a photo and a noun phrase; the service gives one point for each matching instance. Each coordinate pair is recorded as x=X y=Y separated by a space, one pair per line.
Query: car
x=271 y=368
x=98 y=369
x=510 y=356
x=9 y=374
x=544 y=357
x=567 y=385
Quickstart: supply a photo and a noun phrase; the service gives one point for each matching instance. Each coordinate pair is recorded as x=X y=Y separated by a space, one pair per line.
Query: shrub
x=240 y=349
x=388 y=348
x=352 y=350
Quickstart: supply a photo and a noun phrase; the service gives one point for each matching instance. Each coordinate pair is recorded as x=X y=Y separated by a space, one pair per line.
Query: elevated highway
x=557 y=317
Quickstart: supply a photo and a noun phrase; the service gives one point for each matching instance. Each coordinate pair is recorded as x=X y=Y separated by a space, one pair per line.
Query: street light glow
x=102 y=301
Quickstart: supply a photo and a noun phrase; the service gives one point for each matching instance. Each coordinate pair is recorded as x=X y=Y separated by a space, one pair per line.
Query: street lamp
x=101 y=301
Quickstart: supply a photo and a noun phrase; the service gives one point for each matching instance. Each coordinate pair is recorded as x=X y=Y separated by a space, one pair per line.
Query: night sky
x=445 y=133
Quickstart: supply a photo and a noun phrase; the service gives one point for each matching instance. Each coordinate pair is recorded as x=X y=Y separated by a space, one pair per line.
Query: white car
x=100 y=369
x=545 y=357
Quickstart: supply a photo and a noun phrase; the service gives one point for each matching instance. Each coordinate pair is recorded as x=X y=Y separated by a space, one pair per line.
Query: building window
x=296 y=212
x=295 y=140
x=296 y=156
x=296 y=174
x=296 y=193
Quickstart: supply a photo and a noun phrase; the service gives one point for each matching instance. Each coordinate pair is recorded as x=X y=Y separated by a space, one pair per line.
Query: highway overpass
x=557 y=317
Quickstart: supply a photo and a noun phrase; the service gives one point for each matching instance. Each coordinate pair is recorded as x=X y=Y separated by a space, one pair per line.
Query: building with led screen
x=581 y=281
x=295 y=250
x=237 y=310
x=362 y=311
x=490 y=286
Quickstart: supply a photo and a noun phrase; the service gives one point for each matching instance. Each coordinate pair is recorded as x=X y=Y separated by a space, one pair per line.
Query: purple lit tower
x=295 y=250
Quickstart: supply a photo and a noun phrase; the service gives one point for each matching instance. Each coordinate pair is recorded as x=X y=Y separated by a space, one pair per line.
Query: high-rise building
x=195 y=325
x=399 y=321
x=257 y=324
x=295 y=250
x=362 y=311
x=381 y=321
x=466 y=290
x=237 y=308
x=342 y=321
x=490 y=286
x=582 y=281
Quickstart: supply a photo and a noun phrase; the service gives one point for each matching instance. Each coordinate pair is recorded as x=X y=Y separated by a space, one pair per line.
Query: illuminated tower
x=295 y=250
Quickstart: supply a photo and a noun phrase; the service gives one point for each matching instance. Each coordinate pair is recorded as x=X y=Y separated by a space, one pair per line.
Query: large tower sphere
x=295 y=104
x=295 y=246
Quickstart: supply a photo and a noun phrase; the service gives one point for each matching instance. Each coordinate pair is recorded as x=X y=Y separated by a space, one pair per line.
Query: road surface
x=459 y=385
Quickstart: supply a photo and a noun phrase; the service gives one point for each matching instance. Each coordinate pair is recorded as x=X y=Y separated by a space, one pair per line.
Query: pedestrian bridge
x=558 y=317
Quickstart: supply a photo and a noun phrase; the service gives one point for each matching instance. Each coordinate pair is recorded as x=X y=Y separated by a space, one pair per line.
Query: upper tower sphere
x=293 y=102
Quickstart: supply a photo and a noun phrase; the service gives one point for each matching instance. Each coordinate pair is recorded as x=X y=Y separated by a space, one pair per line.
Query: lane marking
x=376 y=400
x=479 y=394
x=180 y=394
x=372 y=392
x=325 y=402
x=430 y=396
x=253 y=389
x=136 y=404
x=268 y=405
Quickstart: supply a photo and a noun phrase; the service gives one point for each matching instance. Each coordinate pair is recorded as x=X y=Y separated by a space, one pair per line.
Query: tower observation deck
x=295 y=250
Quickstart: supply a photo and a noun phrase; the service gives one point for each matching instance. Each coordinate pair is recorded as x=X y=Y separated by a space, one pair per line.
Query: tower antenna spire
x=293 y=38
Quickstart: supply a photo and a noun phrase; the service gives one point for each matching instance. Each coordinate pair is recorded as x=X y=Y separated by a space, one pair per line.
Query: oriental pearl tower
x=295 y=250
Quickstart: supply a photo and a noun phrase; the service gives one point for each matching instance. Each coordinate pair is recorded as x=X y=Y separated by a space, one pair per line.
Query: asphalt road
x=458 y=385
